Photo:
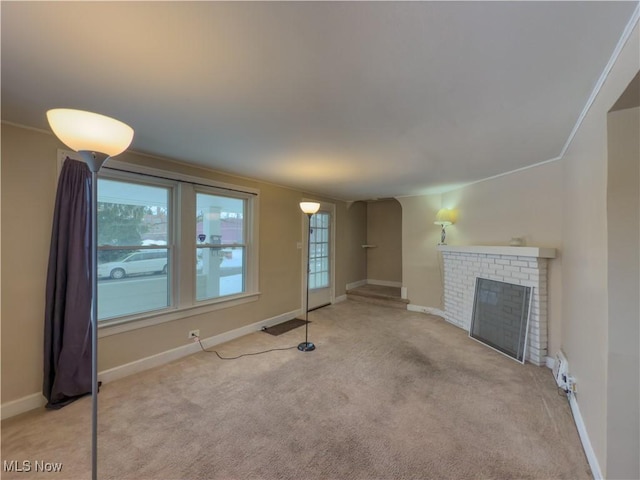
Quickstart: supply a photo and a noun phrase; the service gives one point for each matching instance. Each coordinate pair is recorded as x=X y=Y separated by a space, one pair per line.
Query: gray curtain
x=67 y=327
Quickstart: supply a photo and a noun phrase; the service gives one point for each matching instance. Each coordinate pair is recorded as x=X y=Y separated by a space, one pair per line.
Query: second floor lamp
x=309 y=208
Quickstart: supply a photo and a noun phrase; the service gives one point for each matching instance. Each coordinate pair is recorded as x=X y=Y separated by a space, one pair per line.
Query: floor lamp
x=309 y=208
x=96 y=138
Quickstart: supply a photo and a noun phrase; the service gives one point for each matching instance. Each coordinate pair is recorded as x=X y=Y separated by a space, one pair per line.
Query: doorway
x=623 y=279
x=321 y=276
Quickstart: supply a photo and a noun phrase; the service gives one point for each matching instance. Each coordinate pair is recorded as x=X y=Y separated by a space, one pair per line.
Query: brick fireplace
x=518 y=265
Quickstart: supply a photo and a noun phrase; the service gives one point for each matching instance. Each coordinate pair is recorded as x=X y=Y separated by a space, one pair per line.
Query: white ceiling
x=352 y=100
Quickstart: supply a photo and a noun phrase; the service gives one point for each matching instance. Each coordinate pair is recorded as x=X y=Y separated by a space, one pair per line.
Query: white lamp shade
x=309 y=207
x=445 y=217
x=92 y=132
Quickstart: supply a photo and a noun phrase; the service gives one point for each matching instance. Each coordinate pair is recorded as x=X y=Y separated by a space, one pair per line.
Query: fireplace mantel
x=538 y=252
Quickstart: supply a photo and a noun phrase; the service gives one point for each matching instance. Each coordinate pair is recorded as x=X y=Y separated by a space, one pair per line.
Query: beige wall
x=29 y=171
x=522 y=204
x=485 y=218
x=384 y=230
x=584 y=259
x=623 y=205
x=351 y=259
x=28 y=192
x=421 y=270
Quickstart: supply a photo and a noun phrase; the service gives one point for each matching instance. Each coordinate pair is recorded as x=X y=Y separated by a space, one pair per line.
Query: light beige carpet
x=388 y=394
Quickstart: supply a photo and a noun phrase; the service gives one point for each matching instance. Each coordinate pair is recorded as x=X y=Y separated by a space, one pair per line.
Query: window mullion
x=185 y=257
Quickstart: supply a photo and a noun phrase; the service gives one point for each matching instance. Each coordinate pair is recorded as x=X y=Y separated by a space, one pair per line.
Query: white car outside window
x=137 y=263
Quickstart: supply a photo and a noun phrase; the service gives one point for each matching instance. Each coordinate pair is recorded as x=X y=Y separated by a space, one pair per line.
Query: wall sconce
x=444 y=217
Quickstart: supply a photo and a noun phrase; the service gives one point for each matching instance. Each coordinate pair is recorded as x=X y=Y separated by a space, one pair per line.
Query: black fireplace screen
x=501 y=316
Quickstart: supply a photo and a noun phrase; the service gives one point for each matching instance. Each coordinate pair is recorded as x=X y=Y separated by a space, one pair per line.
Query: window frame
x=249 y=281
x=184 y=241
x=173 y=187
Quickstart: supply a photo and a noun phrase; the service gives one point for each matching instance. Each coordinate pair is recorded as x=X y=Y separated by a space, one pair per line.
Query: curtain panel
x=67 y=326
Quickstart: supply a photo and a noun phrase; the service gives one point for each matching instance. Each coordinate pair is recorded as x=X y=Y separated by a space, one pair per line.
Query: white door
x=321 y=265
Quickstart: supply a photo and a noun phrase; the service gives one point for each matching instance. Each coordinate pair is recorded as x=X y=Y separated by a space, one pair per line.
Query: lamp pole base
x=306 y=347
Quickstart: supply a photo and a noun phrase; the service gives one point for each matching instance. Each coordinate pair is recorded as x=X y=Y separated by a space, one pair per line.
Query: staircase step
x=378 y=295
x=378 y=301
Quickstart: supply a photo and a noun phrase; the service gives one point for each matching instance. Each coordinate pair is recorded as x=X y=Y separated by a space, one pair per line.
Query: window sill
x=116 y=326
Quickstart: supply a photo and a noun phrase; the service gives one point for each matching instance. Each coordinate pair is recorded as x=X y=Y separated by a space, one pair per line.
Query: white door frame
x=326 y=207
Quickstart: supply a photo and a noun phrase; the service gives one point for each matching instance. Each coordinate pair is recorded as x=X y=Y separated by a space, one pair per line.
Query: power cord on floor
x=244 y=354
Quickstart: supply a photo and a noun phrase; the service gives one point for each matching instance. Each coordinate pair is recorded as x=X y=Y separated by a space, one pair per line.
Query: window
x=151 y=271
x=134 y=245
x=221 y=249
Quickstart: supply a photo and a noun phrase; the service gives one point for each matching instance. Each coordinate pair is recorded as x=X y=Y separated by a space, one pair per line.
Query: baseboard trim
x=22 y=405
x=584 y=438
x=147 y=363
x=359 y=283
x=37 y=400
x=163 y=358
x=581 y=427
x=549 y=362
x=384 y=283
x=430 y=310
x=339 y=299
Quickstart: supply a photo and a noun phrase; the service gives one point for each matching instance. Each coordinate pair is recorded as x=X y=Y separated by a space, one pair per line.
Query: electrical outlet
x=193 y=333
x=560 y=369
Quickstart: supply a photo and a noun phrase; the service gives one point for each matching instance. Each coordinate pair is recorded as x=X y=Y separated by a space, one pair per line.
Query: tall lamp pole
x=309 y=208
x=96 y=138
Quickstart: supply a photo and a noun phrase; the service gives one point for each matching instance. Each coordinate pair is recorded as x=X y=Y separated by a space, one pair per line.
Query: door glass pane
x=319 y=251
